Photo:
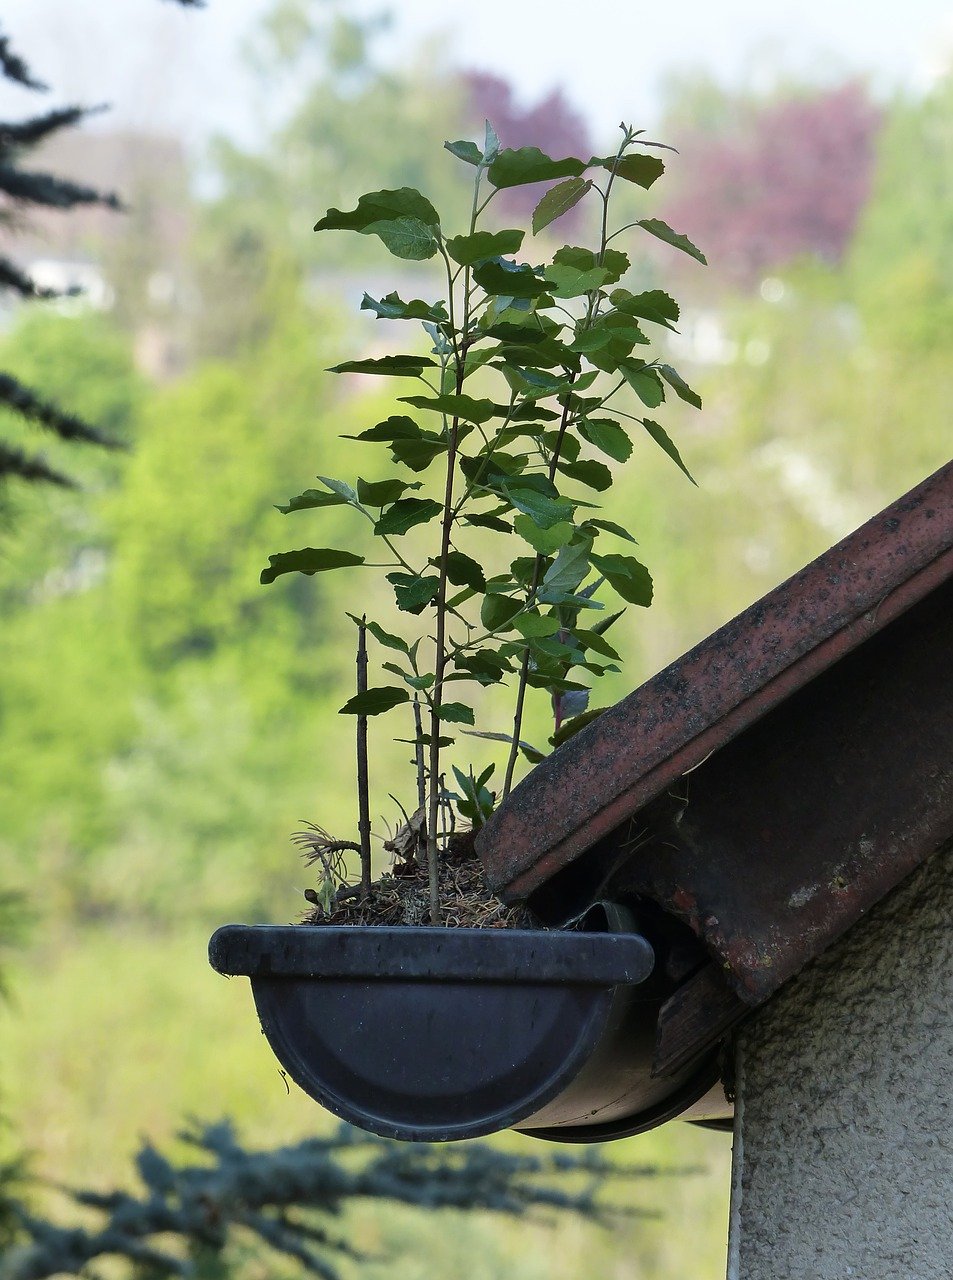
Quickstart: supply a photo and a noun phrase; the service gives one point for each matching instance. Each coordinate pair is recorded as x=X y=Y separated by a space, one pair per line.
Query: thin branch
x=363 y=793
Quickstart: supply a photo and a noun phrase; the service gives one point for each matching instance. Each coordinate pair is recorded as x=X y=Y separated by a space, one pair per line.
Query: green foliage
x=198 y=1218
x=554 y=348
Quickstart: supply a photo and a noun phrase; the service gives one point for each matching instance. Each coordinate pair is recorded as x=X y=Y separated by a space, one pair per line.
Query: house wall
x=843 y=1157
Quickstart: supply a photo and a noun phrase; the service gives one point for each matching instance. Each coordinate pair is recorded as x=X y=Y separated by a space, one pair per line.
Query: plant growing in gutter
x=514 y=410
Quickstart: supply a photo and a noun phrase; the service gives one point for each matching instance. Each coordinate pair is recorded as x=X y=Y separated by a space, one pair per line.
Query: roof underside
x=781 y=777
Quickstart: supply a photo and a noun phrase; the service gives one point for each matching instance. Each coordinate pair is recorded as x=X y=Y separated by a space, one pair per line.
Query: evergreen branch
x=27 y=133
x=13 y=462
x=11 y=277
x=55 y=193
x=283 y=1198
x=67 y=426
x=12 y=67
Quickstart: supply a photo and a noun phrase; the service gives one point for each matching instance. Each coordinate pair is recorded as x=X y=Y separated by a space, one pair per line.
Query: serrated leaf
x=483 y=244
x=388 y=366
x=497 y=612
x=679 y=385
x=508 y=281
x=638 y=168
x=664 y=441
x=308 y=560
x=418 y=454
x=627 y=576
x=341 y=488
x=607 y=436
x=465 y=150
x=378 y=493
x=407 y=238
x=646 y=384
x=457 y=406
x=517 y=168
x=572 y=727
x=535 y=625
x=381 y=206
x=545 y=510
x=491 y=143
x=662 y=231
x=654 y=305
x=566 y=572
x=569 y=282
x=393 y=308
x=611 y=527
x=396 y=427
x=594 y=641
x=413 y=592
x=559 y=200
x=455 y=713
x=463 y=571
x=545 y=542
x=406 y=514
x=373 y=702
x=595 y=475
x=311 y=498
x=532 y=754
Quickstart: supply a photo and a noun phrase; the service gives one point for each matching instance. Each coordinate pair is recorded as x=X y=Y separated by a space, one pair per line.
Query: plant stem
x=363 y=794
x=419 y=755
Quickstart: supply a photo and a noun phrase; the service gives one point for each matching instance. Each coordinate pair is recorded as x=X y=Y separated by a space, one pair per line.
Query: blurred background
x=166 y=722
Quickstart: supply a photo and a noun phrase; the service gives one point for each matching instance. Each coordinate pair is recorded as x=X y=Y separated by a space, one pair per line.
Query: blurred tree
x=23 y=190
x=765 y=182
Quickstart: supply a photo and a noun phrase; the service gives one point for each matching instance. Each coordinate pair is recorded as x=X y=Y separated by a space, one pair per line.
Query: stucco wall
x=843 y=1161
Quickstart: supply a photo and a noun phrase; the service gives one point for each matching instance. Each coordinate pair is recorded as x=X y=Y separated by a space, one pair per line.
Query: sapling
x=518 y=401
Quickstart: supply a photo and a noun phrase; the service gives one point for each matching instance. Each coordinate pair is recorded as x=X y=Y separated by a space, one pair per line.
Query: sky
x=167 y=69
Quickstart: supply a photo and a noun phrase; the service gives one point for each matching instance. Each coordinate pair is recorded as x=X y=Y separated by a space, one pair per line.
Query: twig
x=363 y=795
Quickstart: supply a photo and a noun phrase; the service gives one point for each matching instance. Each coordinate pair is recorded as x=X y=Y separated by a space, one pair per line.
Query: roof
x=778 y=779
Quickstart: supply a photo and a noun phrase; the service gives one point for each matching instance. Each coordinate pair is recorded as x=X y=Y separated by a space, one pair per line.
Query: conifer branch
x=14 y=395
x=13 y=67
x=14 y=462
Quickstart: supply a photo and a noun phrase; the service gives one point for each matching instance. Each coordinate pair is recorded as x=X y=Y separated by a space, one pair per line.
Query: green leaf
x=341 y=488
x=516 y=168
x=457 y=406
x=559 y=200
x=407 y=513
x=420 y=683
x=596 y=475
x=465 y=150
x=407 y=238
x=679 y=385
x=392 y=366
x=383 y=637
x=532 y=754
x=629 y=578
x=379 y=493
x=497 y=612
x=535 y=625
x=413 y=591
x=392 y=308
x=611 y=527
x=664 y=441
x=592 y=640
x=545 y=542
x=418 y=454
x=396 y=427
x=566 y=572
x=645 y=382
x=572 y=727
x=456 y=713
x=463 y=571
x=372 y=702
x=654 y=305
x=483 y=244
x=638 y=168
x=508 y=281
x=662 y=231
x=607 y=436
x=381 y=206
x=570 y=282
x=312 y=498
x=544 y=509
x=308 y=560
x=488 y=521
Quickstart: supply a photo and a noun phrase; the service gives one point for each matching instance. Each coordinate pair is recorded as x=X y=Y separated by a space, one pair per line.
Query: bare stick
x=363 y=794
x=419 y=755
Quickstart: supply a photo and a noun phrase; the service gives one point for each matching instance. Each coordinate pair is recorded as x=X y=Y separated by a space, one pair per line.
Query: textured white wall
x=843 y=1161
